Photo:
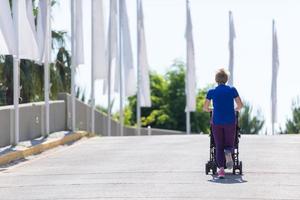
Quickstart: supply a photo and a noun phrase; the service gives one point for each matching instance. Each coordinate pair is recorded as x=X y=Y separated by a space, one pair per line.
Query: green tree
x=6 y=72
x=249 y=124
x=157 y=115
x=176 y=95
x=168 y=103
x=31 y=81
x=3 y=88
x=63 y=70
x=32 y=74
x=293 y=125
x=200 y=119
x=103 y=110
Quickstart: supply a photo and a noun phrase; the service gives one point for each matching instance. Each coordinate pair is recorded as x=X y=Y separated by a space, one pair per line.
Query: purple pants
x=224 y=136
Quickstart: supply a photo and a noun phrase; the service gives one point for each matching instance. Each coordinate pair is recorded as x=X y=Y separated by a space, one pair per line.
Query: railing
x=32 y=123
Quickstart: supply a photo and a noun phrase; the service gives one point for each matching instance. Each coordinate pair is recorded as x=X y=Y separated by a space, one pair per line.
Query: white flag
x=144 y=87
x=42 y=28
x=112 y=44
x=3 y=46
x=26 y=33
x=190 y=77
x=30 y=16
x=127 y=57
x=78 y=33
x=231 y=48
x=113 y=30
x=275 y=67
x=7 y=32
x=98 y=41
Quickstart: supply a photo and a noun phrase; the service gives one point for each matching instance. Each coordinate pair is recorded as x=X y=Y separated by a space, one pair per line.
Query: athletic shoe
x=221 y=173
x=228 y=157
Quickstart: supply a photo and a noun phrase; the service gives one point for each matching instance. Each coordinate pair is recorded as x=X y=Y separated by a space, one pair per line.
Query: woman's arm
x=239 y=103
x=206 y=105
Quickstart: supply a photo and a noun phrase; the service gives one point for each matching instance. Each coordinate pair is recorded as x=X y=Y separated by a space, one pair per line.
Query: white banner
x=127 y=57
x=144 y=87
x=190 y=77
x=98 y=41
x=3 y=46
x=232 y=36
x=42 y=28
x=7 y=31
x=78 y=33
x=26 y=33
x=112 y=45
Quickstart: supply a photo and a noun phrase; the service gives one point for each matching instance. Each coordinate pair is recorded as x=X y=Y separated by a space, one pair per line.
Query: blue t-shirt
x=223 y=103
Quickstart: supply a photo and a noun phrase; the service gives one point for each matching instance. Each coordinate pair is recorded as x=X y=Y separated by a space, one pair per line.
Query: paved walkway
x=30 y=143
x=155 y=167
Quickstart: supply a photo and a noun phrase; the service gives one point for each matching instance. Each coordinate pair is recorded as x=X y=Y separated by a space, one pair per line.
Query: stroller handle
x=236 y=113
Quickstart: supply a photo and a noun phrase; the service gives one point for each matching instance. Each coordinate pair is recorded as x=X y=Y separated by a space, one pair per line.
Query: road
x=155 y=167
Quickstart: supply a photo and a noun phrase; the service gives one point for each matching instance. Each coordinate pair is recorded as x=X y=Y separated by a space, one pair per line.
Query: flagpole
x=73 y=120
x=273 y=78
x=273 y=28
x=109 y=99
x=16 y=79
x=16 y=92
x=188 y=121
x=109 y=78
x=138 y=109
x=92 y=74
x=121 y=70
x=46 y=69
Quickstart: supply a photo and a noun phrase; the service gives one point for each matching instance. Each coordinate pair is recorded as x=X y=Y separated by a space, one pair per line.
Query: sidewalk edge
x=21 y=154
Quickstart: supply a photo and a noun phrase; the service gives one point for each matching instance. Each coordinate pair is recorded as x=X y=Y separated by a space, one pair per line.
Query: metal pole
x=16 y=80
x=109 y=78
x=188 y=121
x=109 y=100
x=121 y=69
x=188 y=125
x=273 y=78
x=138 y=108
x=16 y=95
x=46 y=69
x=73 y=92
x=92 y=75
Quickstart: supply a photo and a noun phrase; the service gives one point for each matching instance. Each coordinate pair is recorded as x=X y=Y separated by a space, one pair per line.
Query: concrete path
x=155 y=167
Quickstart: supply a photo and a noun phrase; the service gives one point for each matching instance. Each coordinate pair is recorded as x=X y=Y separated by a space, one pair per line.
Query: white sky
x=165 y=26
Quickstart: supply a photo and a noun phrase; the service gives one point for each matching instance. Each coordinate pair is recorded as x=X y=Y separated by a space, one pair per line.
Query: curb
x=21 y=154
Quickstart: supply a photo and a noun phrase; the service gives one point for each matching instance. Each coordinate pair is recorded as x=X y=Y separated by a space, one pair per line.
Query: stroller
x=211 y=165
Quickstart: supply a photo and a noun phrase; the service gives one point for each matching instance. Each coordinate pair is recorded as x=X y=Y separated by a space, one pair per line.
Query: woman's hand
x=206 y=105
x=239 y=103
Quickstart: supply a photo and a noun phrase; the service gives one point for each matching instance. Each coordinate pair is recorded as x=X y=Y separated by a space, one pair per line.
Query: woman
x=223 y=119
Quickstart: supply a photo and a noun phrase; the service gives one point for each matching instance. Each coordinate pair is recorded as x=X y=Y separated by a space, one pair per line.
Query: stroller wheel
x=241 y=168
x=214 y=169
x=206 y=168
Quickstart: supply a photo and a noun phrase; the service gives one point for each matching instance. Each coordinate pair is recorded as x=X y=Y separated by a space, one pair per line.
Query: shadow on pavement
x=5 y=167
x=229 y=179
x=38 y=141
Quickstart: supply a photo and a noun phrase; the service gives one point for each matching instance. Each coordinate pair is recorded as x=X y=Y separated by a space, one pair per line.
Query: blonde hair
x=222 y=76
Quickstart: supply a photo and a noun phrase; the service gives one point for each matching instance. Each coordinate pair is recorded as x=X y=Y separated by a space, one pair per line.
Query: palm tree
x=32 y=76
x=249 y=124
x=293 y=125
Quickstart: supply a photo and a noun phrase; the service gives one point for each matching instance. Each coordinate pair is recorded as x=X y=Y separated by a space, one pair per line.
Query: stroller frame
x=211 y=165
